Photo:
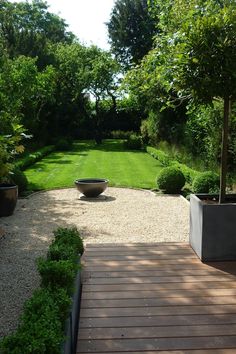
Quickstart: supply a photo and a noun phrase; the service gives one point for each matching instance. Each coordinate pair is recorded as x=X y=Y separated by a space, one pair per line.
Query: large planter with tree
x=212 y=227
x=199 y=66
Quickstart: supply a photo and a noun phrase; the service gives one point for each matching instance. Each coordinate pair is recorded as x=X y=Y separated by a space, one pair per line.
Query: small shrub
x=171 y=180
x=40 y=330
x=70 y=237
x=19 y=178
x=57 y=273
x=134 y=142
x=206 y=182
x=64 y=144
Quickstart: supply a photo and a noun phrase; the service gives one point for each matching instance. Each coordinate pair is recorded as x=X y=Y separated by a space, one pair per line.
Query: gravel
x=120 y=215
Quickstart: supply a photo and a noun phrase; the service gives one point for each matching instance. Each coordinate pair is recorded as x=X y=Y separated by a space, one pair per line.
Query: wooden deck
x=156 y=298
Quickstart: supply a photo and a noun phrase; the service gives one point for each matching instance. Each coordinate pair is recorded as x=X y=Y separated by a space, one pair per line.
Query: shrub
x=171 y=180
x=64 y=144
x=69 y=237
x=57 y=273
x=41 y=329
x=159 y=155
x=206 y=182
x=120 y=134
x=134 y=142
x=19 y=178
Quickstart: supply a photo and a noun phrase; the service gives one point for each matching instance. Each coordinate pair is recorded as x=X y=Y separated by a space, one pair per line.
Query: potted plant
x=9 y=147
x=213 y=224
x=200 y=60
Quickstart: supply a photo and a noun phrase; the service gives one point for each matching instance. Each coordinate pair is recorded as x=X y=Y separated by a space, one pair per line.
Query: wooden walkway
x=156 y=298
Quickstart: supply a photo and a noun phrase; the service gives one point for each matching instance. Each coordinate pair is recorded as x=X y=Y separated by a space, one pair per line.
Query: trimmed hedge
x=42 y=324
x=166 y=161
x=159 y=155
x=31 y=158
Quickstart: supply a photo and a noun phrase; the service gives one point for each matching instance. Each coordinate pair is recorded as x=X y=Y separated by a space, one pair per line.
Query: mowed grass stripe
x=109 y=160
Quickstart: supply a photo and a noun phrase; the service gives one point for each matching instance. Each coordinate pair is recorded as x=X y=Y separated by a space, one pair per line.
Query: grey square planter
x=213 y=228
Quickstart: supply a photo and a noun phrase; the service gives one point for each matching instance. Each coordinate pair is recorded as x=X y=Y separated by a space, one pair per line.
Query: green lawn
x=108 y=160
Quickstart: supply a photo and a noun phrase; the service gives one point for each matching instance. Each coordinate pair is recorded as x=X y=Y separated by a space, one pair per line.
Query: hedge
x=42 y=324
x=166 y=161
x=31 y=158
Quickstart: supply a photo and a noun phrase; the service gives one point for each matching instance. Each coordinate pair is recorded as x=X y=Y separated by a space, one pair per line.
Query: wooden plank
x=167 y=301
x=142 y=344
x=157 y=260
x=136 y=244
x=146 y=294
x=135 y=252
x=158 y=311
x=158 y=280
x=152 y=273
x=162 y=286
x=134 y=266
x=152 y=321
x=157 y=332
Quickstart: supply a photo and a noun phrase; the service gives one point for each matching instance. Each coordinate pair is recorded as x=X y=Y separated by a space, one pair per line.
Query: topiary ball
x=206 y=182
x=171 y=180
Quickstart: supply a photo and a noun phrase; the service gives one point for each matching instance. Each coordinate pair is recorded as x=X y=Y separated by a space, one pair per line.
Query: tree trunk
x=224 y=150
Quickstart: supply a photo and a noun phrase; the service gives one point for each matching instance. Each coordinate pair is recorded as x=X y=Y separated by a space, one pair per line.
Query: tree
x=131 y=29
x=69 y=111
x=102 y=81
x=199 y=61
x=29 y=29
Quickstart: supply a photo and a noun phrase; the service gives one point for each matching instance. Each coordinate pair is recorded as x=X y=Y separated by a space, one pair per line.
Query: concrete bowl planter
x=213 y=227
x=91 y=187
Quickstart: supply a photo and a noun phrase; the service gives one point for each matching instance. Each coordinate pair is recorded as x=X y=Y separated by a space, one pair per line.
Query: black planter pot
x=8 y=198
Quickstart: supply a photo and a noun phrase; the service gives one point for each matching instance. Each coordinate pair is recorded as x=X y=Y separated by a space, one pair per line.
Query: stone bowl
x=91 y=187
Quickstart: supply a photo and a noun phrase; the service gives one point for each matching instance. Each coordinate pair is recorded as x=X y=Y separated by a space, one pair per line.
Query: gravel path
x=122 y=215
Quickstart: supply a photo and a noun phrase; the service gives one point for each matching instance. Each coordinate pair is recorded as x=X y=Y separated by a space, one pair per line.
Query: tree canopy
x=131 y=29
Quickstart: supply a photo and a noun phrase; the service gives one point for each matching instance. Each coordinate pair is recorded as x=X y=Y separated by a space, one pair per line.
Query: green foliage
x=206 y=182
x=171 y=180
x=133 y=142
x=57 y=273
x=30 y=29
x=159 y=155
x=41 y=329
x=10 y=146
x=131 y=30
x=69 y=237
x=31 y=158
x=120 y=134
x=42 y=324
x=19 y=178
